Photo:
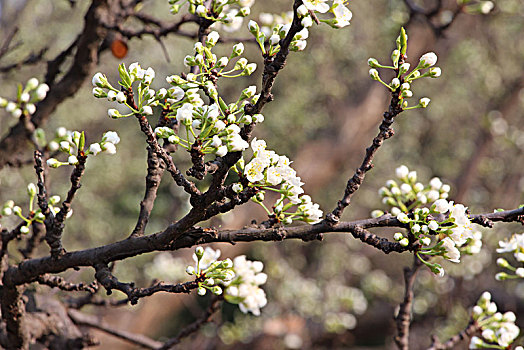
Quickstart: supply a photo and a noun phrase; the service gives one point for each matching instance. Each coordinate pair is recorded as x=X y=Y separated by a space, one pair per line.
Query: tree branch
x=92 y=321
x=179 y=235
x=403 y=319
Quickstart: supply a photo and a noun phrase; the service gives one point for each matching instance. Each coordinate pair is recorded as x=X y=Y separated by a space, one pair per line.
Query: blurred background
x=337 y=293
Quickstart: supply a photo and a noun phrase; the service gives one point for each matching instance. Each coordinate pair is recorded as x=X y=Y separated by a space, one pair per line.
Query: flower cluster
x=342 y=15
x=72 y=143
x=498 y=330
x=238 y=279
x=404 y=78
x=446 y=221
x=34 y=215
x=409 y=193
x=226 y=14
x=276 y=27
x=244 y=289
x=514 y=245
x=210 y=272
x=26 y=98
x=269 y=171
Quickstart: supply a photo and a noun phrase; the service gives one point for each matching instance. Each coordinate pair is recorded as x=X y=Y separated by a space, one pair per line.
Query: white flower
x=451 y=251
x=486 y=7
x=237 y=187
x=405 y=188
x=274 y=177
x=32 y=84
x=435 y=72
x=120 y=97
x=111 y=95
x=441 y=206
x=53 y=163
x=254 y=170
x=113 y=113
x=212 y=38
x=41 y=91
x=109 y=147
x=435 y=183
x=236 y=143
x=433 y=195
x=208 y=258
x=111 y=136
x=433 y=225
x=403 y=218
x=221 y=151
x=95 y=148
x=201 y=10
x=300 y=44
x=307 y=22
x=316 y=5
x=30 y=108
x=402 y=172
x=73 y=160
x=424 y=102
x=342 y=14
x=428 y=60
x=185 y=113
x=99 y=80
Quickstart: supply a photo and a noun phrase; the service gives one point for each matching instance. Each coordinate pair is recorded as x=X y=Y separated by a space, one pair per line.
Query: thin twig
x=195 y=326
x=452 y=342
x=82 y=319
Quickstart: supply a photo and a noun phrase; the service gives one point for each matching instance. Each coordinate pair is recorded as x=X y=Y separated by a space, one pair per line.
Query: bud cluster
x=72 y=143
x=209 y=271
x=34 y=215
x=498 y=330
x=26 y=98
x=404 y=78
x=514 y=245
x=269 y=171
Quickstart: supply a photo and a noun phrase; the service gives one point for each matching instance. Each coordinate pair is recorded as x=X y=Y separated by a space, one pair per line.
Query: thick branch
x=179 y=235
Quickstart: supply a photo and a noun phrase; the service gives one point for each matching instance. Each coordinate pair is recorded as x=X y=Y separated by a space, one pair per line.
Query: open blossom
x=514 y=245
x=342 y=14
x=210 y=256
x=316 y=5
x=452 y=253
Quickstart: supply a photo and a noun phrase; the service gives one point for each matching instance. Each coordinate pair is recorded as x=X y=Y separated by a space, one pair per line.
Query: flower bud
x=373 y=73
x=424 y=101
x=373 y=62
x=31 y=189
